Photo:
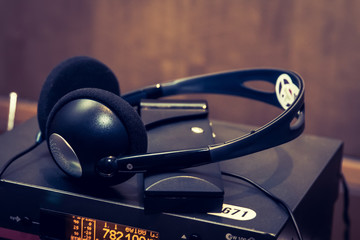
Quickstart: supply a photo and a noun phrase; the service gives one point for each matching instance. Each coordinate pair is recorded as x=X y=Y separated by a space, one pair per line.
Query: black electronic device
x=174 y=125
x=96 y=136
x=37 y=198
x=93 y=134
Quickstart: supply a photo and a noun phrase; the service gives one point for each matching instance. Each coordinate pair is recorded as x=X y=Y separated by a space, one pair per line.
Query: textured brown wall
x=145 y=42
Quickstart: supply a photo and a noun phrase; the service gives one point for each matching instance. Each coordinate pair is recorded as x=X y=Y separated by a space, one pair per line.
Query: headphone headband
x=228 y=83
x=288 y=94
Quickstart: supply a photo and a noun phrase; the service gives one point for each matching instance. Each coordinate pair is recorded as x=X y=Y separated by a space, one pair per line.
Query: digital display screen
x=66 y=226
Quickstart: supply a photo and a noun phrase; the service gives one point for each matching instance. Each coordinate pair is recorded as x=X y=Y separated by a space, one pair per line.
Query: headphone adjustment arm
x=163 y=161
x=151 y=92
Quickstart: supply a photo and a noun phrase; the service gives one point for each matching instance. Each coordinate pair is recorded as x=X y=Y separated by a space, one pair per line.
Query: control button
x=16 y=219
x=195 y=237
x=26 y=221
x=190 y=237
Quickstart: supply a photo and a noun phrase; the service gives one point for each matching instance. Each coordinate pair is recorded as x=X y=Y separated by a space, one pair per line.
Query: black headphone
x=93 y=133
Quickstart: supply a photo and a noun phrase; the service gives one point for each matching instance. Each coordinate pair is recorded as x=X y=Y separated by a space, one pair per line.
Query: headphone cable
x=271 y=196
x=19 y=155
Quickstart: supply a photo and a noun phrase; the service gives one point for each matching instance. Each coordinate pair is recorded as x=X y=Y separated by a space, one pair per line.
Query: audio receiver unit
x=197 y=203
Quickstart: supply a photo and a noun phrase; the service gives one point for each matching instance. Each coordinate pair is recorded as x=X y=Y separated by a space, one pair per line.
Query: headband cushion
x=74 y=73
x=123 y=110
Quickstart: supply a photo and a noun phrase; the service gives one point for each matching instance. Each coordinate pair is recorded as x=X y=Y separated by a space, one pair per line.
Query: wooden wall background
x=146 y=42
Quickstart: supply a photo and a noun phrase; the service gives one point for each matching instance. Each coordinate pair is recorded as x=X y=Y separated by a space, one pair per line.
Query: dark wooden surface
x=145 y=42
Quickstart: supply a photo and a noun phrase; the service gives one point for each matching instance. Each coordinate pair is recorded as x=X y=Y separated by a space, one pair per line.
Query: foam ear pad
x=93 y=124
x=74 y=73
x=128 y=116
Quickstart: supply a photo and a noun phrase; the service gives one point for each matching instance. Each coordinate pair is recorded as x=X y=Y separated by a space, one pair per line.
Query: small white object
x=129 y=166
x=197 y=130
x=286 y=91
x=12 y=110
x=236 y=213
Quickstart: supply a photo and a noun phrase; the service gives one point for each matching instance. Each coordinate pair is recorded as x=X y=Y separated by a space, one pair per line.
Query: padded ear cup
x=74 y=73
x=89 y=124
